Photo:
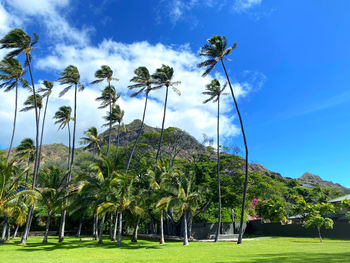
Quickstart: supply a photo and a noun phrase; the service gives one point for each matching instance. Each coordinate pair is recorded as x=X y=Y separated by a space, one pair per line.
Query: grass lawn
x=276 y=249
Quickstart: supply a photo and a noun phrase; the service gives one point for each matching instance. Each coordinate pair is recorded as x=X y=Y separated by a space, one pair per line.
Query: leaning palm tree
x=215 y=50
x=116 y=116
x=46 y=90
x=63 y=117
x=19 y=42
x=143 y=81
x=31 y=101
x=70 y=76
x=214 y=91
x=11 y=74
x=106 y=73
x=164 y=77
x=26 y=151
x=92 y=140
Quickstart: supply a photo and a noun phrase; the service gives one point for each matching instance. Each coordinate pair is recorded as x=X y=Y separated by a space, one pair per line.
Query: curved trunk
x=47 y=227
x=69 y=145
x=79 y=228
x=116 y=151
x=319 y=234
x=62 y=225
x=94 y=227
x=8 y=231
x=185 y=230
x=114 y=237
x=4 y=229
x=30 y=211
x=16 y=231
x=111 y=227
x=161 y=228
x=119 y=242
x=110 y=121
x=134 y=235
x=138 y=135
x=240 y=234
x=218 y=231
x=14 y=124
x=233 y=220
x=101 y=229
x=42 y=133
x=161 y=132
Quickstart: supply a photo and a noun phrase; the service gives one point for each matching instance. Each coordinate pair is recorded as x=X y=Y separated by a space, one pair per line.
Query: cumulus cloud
x=186 y=111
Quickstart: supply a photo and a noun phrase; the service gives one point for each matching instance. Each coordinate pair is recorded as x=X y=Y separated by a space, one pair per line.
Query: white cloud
x=49 y=11
x=240 y=6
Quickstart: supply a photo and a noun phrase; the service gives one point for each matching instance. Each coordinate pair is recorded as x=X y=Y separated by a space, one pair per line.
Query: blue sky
x=290 y=70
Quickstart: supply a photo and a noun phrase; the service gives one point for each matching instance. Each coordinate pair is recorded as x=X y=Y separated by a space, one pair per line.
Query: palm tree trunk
x=16 y=231
x=119 y=242
x=62 y=225
x=111 y=227
x=94 y=226
x=218 y=231
x=69 y=145
x=138 y=135
x=63 y=217
x=8 y=231
x=30 y=211
x=100 y=241
x=161 y=228
x=134 y=235
x=161 y=132
x=47 y=227
x=233 y=220
x=319 y=234
x=14 y=124
x=27 y=173
x=185 y=230
x=79 y=228
x=240 y=234
x=4 y=228
x=110 y=121
x=115 y=227
x=42 y=132
x=118 y=136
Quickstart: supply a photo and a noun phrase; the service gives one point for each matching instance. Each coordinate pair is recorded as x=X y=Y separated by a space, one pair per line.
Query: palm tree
x=180 y=195
x=215 y=91
x=19 y=42
x=49 y=184
x=92 y=140
x=106 y=73
x=26 y=151
x=12 y=74
x=63 y=117
x=215 y=51
x=46 y=90
x=164 y=76
x=12 y=200
x=144 y=83
x=116 y=115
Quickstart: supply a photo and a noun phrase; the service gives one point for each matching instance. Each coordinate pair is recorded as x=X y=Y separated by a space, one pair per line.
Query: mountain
x=313 y=180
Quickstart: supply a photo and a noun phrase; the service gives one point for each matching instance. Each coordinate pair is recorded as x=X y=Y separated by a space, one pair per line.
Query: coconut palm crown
x=70 y=76
x=214 y=91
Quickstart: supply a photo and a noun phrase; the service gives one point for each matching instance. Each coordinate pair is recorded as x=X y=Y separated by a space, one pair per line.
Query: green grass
x=259 y=250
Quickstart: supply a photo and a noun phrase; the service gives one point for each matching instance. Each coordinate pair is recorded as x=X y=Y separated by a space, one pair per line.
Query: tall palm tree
x=30 y=103
x=116 y=116
x=143 y=81
x=26 y=151
x=215 y=50
x=92 y=140
x=63 y=117
x=214 y=91
x=106 y=73
x=164 y=77
x=19 y=42
x=11 y=74
x=46 y=90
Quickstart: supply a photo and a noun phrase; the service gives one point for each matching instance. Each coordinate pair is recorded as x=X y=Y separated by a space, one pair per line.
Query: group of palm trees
x=113 y=190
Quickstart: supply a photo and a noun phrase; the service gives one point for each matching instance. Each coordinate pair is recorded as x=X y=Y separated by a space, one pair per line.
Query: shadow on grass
x=298 y=257
x=77 y=243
